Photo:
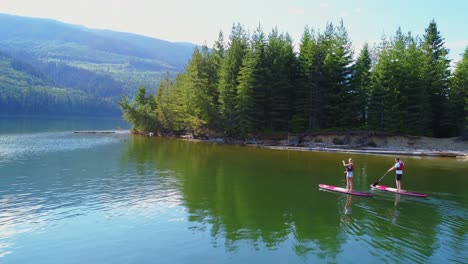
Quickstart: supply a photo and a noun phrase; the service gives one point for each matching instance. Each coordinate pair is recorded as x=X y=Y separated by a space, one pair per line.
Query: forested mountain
x=98 y=65
x=26 y=90
x=259 y=84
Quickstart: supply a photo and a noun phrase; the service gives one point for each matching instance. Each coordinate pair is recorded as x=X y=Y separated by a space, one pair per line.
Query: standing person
x=399 y=165
x=349 y=174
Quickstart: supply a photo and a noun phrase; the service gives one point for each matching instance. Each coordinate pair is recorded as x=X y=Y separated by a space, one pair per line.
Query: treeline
x=99 y=85
x=24 y=89
x=58 y=74
x=258 y=83
x=52 y=101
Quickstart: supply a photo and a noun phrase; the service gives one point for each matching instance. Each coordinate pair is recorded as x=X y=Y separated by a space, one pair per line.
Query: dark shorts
x=398 y=177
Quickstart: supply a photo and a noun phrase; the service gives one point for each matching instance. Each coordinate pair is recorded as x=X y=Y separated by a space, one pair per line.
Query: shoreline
x=360 y=143
x=380 y=151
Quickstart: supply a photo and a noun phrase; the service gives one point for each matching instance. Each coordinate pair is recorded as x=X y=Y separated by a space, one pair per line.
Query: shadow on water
x=270 y=199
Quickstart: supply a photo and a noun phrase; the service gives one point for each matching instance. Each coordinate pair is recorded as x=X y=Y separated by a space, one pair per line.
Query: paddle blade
x=375 y=183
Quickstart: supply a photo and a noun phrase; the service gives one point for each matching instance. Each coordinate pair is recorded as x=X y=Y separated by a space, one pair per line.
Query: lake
x=117 y=198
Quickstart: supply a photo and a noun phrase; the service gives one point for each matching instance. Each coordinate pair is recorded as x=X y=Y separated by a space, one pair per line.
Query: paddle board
x=344 y=190
x=394 y=190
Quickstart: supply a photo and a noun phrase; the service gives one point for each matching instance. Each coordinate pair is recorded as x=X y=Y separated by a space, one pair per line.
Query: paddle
x=377 y=182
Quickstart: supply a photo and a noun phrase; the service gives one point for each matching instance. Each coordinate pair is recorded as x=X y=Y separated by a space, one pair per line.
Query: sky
x=200 y=21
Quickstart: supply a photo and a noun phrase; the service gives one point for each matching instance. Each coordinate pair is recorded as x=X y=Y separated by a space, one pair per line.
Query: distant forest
x=25 y=89
x=259 y=84
x=52 y=68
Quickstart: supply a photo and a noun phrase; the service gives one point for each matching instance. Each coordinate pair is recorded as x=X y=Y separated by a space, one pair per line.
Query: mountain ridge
x=101 y=63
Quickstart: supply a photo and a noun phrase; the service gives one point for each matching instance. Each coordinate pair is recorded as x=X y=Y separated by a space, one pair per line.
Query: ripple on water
x=18 y=146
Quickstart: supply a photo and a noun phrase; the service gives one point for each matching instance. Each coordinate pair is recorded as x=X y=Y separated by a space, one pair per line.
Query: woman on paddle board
x=399 y=165
x=349 y=173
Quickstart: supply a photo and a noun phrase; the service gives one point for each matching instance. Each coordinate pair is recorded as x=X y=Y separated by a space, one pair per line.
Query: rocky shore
x=356 y=142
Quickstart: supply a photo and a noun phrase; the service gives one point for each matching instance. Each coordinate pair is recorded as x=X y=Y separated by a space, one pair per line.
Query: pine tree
x=198 y=97
x=245 y=110
x=349 y=95
x=381 y=79
x=339 y=91
x=459 y=96
x=417 y=118
x=228 y=77
x=281 y=60
x=141 y=112
x=261 y=85
x=362 y=82
x=215 y=61
x=164 y=99
x=437 y=77
x=376 y=113
x=304 y=115
x=326 y=96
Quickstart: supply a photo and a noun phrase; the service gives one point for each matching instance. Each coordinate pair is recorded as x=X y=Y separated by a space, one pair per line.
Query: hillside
x=25 y=90
x=94 y=64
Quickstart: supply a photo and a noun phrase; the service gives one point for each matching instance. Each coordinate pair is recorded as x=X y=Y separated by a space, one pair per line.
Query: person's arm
x=344 y=164
x=392 y=168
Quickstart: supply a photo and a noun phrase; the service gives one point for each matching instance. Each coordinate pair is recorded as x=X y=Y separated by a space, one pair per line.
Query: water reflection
x=396 y=211
x=347 y=211
x=268 y=199
x=70 y=178
x=246 y=201
x=349 y=201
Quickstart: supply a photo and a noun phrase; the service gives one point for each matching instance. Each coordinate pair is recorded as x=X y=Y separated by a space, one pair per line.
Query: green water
x=68 y=198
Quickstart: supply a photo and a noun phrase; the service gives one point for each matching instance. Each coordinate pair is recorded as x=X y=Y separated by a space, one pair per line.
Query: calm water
x=74 y=198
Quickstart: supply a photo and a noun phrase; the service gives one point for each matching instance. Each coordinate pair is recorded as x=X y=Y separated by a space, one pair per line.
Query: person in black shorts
x=399 y=165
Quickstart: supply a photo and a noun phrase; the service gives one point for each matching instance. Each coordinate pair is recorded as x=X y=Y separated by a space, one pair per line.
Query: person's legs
x=398 y=182
x=349 y=184
x=347 y=181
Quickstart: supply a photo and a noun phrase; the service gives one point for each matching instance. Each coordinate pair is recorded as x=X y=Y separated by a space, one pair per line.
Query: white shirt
x=397 y=166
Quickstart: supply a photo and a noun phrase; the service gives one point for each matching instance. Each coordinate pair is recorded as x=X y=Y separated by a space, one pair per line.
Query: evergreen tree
x=197 y=95
x=437 y=76
x=261 y=74
x=349 y=96
x=228 y=76
x=459 y=97
x=381 y=79
x=141 y=112
x=215 y=60
x=208 y=68
x=417 y=117
x=165 y=107
x=362 y=82
x=218 y=53
x=340 y=95
x=325 y=91
x=281 y=61
x=304 y=106
x=376 y=113
x=261 y=85
x=245 y=110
